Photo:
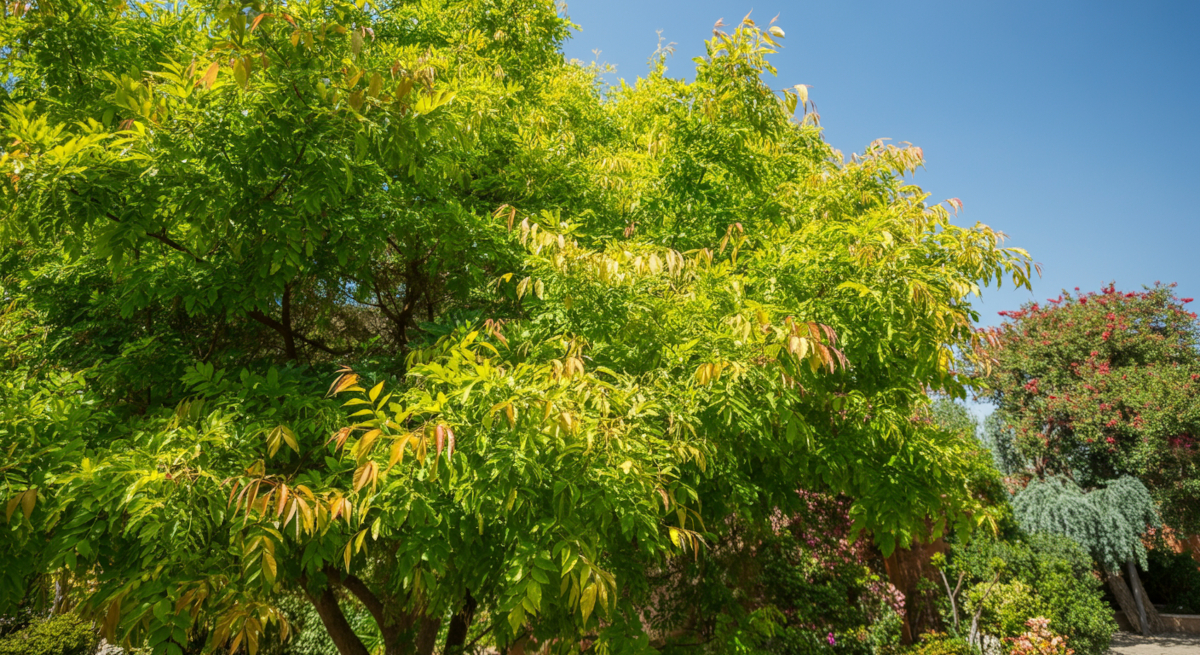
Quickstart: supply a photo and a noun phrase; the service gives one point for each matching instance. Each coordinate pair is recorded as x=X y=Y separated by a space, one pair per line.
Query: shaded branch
x=287 y=332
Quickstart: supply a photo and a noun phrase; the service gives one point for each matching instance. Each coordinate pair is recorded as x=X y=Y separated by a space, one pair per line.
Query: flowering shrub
x=63 y=634
x=1039 y=640
x=1099 y=385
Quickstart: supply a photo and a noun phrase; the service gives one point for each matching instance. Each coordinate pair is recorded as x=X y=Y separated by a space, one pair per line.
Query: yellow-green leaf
x=587 y=601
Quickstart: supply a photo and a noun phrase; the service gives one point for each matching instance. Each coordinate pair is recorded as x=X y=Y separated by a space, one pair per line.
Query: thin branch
x=474 y=641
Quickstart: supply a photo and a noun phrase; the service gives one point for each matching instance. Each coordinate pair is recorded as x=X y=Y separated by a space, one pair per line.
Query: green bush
x=1007 y=607
x=938 y=643
x=1053 y=575
x=1173 y=581
x=65 y=634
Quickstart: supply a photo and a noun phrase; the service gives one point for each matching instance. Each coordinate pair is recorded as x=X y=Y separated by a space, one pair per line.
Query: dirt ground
x=1127 y=643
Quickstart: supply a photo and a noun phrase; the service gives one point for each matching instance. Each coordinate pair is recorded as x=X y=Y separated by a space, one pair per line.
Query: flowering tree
x=1099 y=385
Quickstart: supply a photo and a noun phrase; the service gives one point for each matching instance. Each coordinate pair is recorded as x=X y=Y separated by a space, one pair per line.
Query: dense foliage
x=63 y=634
x=575 y=328
x=794 y=585
x=940 y=643
x=1100 y=385
x=1172 y=580
x=1037 y=575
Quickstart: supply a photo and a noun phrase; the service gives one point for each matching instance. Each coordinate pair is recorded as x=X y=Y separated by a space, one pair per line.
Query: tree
x=1096 y=386
x=1110 y=521
x=577 y=327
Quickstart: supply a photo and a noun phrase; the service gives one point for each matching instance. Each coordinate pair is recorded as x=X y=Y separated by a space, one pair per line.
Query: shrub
x=1056 y=572
x=64 y=634
x=1039 y=640
x=1173 y=581
x=939 y=643
x=1008 y=607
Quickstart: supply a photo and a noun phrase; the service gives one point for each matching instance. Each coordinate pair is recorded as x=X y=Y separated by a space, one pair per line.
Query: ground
x=1126 y=643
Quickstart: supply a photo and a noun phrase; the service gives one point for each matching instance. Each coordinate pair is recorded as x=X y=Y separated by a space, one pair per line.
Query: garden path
x=1126 y=643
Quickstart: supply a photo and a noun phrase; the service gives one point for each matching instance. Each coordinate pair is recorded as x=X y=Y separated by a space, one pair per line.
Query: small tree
x=1109 y=521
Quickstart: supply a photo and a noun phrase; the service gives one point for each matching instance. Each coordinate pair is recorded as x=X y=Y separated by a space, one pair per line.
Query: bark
x=905 y=569
x=460 y=624
x=1116 y=584
x=62 y=598
x=326 y=604
x=427 y=635
x=974 y=638
x=287 y=334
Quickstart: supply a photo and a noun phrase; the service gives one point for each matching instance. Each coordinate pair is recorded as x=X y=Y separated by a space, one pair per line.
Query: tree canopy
x=1101 y=385
x=570 y=328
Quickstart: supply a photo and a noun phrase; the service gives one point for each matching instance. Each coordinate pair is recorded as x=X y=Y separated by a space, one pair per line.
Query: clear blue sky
x=1074 y=127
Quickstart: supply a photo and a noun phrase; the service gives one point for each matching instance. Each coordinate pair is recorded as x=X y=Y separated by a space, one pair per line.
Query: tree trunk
x=1138 y=600
x=1125 y=591
x=335 y=623
x=427 y=635
x=460 y=624
x=1154 y=620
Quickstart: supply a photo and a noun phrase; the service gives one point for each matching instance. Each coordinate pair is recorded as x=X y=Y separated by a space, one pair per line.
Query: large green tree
x=577 y=326
x=1096 y=386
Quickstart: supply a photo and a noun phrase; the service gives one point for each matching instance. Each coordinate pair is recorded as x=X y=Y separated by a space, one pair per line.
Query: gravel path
x=1127 y=643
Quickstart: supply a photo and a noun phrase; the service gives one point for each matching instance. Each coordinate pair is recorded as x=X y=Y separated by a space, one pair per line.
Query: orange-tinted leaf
x=210 y=75
x=112 y=619
x=27 y=500
x=347 y=380
x=365 y=475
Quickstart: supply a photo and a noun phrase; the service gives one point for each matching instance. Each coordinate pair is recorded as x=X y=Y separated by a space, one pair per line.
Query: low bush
x=64 y=634
x=1008 y=607
x=1039 y=640
x=939 y=643
x=1047 y=575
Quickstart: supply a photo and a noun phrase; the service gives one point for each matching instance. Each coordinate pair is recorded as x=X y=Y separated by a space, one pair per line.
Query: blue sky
x=1074 y=127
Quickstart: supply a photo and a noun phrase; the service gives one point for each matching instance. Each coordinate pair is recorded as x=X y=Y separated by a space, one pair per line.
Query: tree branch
x=285 y=332
x=360 y=590
x=161 y=235
x=326 y=604
x=392 y=628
